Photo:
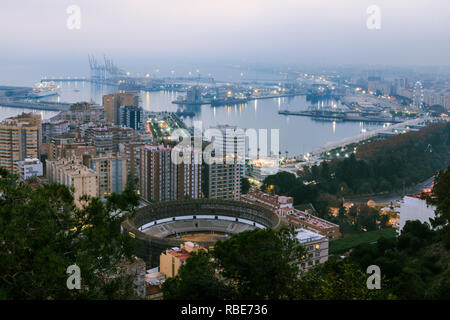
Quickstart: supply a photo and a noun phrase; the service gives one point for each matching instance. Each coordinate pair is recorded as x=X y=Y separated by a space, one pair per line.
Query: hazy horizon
x=141 y=36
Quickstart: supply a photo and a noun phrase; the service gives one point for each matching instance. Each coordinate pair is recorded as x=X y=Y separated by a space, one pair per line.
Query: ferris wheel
x=418 y=96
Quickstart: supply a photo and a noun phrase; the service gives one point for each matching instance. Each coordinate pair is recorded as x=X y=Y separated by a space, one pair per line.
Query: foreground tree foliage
x=249 y=266
x=441 y=199
x=264 y=264
x=416 y=263
x=256 y=264
x=408 y=263
x=338 y=280
x=42 y=233
x=260 y=264
x=196 y=280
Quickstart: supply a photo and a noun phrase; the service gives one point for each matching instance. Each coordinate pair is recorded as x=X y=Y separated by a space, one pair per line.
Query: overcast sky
x=413 y=32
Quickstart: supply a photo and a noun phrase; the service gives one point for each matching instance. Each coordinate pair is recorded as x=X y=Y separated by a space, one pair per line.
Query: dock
x=233 y=101
x=339 y=116
x=35 y=105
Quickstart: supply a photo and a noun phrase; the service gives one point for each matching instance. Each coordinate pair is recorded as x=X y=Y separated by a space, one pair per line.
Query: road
x=395 y=196
x=315 y=156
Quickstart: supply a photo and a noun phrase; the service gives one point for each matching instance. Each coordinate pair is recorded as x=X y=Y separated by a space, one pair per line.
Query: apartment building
x=111 y=171
x=107 y=139
x=28 y=168
x=171 y=260
x=20 y=138
x=155 y=173
x=72 y=173
x=225 y=173
x=132 y=152
x=131 y=117
x=316 y=246
x=82 y=113
x=51 y=129
x=161 y=179
x=67 y=146
x=112 y=103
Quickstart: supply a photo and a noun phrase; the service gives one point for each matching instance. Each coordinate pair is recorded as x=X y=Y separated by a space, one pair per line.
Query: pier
x=47 y=106
x=339 y=116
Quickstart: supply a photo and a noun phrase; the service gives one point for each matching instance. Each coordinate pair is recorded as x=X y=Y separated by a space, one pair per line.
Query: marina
x=260 y=114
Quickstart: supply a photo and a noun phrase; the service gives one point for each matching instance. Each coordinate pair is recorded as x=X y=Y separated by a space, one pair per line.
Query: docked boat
x=45 y=89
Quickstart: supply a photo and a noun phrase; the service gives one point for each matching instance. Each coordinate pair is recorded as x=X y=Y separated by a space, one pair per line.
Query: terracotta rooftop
x=180 y=254
x=312 y=220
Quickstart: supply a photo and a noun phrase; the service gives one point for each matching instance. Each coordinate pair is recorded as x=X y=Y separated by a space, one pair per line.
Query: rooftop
x=29 y=161
x=312 y=220
x=180 y=254
x=277 y=202
x=274 y=200
x=304 y=235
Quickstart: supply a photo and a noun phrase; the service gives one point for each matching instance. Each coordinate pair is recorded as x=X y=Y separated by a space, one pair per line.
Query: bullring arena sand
x=200 y=237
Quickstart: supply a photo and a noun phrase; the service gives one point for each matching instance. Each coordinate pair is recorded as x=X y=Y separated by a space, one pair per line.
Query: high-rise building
x=20 y=138
x=155 y=173
x=224 y=174
x=132 y=152
x=187 y=175
x=107 y=139
x=131 y=117
x=68 y=146
x=161 y=179
x=51 y=129
x=111 y=171
x=112 y=103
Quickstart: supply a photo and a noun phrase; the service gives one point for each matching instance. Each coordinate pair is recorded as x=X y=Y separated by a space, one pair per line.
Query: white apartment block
x=30 y=167
x=226 y=172
x=316 y=247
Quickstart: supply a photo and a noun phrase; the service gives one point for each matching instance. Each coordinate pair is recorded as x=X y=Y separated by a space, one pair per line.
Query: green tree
x=442 y=290
x=342 y=214
x=42 y=233
x=261 y=263
x=337 y=280
x=285 y=181
x=441 y=199
x=415 y=235
x=196 y=280
x=245 y=185
x=367 y=218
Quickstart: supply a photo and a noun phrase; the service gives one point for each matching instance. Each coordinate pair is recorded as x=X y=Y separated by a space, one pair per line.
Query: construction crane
x=101 y=73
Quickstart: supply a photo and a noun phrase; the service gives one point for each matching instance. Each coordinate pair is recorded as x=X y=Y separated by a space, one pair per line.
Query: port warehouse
x=151 y=245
